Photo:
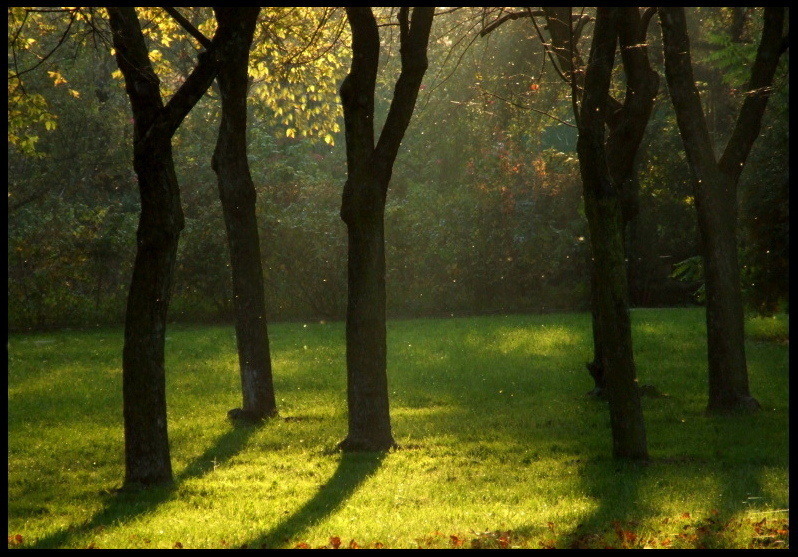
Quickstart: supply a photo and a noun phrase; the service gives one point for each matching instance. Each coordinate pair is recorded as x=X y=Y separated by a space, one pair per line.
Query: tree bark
x=605 y=221
x=147 y=458
x=715 y=187
x=369 y=169
x=238 y=197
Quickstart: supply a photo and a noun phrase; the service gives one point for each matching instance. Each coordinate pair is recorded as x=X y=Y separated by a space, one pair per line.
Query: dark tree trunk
x=627 y=123
x=715 y=188
x=605 y=221
x=366 y=351
x=147 y=458
x=237 y=193
x=143 y=379
x=369 y=170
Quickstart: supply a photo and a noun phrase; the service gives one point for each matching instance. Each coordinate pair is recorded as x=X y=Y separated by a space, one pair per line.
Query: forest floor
x=499 y=446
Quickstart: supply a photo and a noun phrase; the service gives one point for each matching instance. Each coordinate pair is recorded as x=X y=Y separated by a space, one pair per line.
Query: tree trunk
x=366 y=341
x=727 y=369
x=369 y=169
x=627 y=123
x=715 y=188
x=147 y=459
x=605 y=221
x=596 y=367
x=238 y=196
x=143 y=380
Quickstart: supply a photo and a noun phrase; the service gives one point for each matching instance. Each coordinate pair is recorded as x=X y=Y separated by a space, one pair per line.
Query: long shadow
x=124 y=505
x=619 y=489
x=616 y=485
x=353 y=470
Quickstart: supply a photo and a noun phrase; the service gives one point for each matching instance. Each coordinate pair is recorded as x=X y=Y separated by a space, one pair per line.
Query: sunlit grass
x=499 y=444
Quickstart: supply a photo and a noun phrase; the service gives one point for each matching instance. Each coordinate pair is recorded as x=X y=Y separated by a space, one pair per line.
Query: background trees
x=489 y=209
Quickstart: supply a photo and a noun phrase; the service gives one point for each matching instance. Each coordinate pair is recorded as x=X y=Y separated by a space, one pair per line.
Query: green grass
x=499 y=444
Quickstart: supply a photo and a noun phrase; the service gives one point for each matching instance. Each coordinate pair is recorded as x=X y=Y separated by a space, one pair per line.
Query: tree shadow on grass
x=126 y=504
x=353 y=469
x=616 y=484
x=623 y=504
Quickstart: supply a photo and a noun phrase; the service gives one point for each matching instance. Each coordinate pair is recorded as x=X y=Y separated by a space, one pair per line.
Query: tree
x=369 y=170
x=603 y=209
x=237 y=193
x=715 y=187
x=147 y=458
x=627 y=123
x=626 y=120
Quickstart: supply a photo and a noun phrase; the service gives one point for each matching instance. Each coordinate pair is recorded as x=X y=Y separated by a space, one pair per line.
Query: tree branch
x=596 y=178
x=749 y=121
x=684 y=94
x=194 y=87
x=73 y=15
x=503 y=19
x=413 y=51
x=525 y=107
x=645 y=20
x=628 y=125
x=548 y=48
x=190 y=29
x=357 y=100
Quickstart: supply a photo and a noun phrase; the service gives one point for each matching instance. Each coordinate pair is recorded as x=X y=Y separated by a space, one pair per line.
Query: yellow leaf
x=58 y=79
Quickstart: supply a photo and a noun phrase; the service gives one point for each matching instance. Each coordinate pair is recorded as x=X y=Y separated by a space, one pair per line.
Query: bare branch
x=449 y=11
x=525 y=107
x=749 y=120
x=645 y=19
x=507 y=17
x=73 y=15
x=547 y=47
x=190 y=29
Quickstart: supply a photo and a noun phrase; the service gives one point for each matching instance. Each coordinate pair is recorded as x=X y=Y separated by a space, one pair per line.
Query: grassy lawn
x=500 y=447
